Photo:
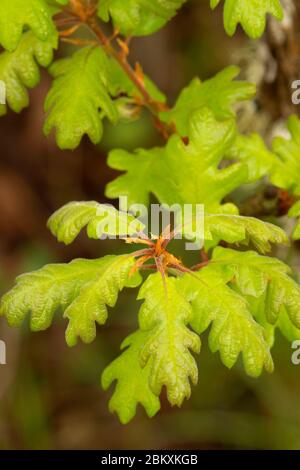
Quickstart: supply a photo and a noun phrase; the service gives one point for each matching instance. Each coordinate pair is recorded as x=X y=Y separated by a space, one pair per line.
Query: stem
x=199 y=266
x=153 y=106
x=204 y=255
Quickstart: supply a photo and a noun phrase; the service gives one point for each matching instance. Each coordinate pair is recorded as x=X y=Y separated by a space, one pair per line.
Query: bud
x=127 y=109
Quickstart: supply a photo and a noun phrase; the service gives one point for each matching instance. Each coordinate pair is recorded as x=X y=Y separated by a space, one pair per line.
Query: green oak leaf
x=101 y=219
x=19 y=69
x=79 y=98
x=82 y=289
x=256 y=275
x=219 y=93
x=138 y=17
x=180 y=173
x=132 y=380
x=18 y=15
x=285 y=171
x=251 y=14
x=233 y=329
x=165 y=315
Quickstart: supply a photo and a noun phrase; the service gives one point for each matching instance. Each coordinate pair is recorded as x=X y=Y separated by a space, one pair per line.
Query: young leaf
x=233 y=329
x=285 y=172
x=250 y=13
x=179 y=173
x=79 y=98
x=90 y=305
x=281 y=163
x=133 y=380
x=16 y=15
x=144 y=175
x=220 y=94
x=233 y=228
x=283 y=322
x=164 y=315
x=101 y=219
x=253 y=152
x=256 y=275
x=20 y=69
x=295 y=212
x=286 y=168
x=138 y=17
x=42 y=292
x=286 y=327
x=86 y=88
x=67 y=286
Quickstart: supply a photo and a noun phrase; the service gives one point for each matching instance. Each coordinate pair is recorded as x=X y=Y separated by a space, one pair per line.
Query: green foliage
x=90 y=305
x=255 y=295
x=160 y=350
x=242 y=297
x=233 y=329
x=19 y=69
x=179 y=173
x=83 y=93
x=253 y=152
x=250 y=13
x=100 y=219
x=295 y=212
x=165 y=314
x=15 y=15
x=220 y=296
x=256 y=275
x=79 y=99
x=233 y=228
x=220 y=94
x=133 y=380
x=285 y=171
x=139 y=17
x=81 y=289
x=265 y=283
x=281 y=164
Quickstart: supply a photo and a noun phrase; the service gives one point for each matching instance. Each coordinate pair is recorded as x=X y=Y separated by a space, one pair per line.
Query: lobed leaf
x=132 y=380
x=180 y=173
x=281 y=163
x=20 y=69
x=257 y=275
x=140 y=17
x=164 y=315
x=90 y=306
x=233 y=228
x=79 y=98
x=73 y=289
x=87 y=87
x=251 y=14
x=253 y=152
x=17 y=15
x=233 y=329
x=220 y=94
x=286 y=168
x=101 y=219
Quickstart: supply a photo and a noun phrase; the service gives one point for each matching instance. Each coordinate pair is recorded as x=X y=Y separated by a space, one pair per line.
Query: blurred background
x=50 y=395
